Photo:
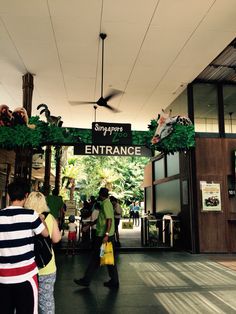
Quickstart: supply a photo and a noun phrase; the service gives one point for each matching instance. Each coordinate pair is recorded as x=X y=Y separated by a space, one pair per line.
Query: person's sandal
x=81 y=282
x=110 y=284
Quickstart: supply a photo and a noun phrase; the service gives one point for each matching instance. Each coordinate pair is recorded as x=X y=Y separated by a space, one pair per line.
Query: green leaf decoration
x=153 y=125
x=40 y=133
x=181 y=139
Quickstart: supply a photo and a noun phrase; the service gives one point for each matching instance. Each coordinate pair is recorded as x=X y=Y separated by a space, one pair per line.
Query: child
x=72 y=227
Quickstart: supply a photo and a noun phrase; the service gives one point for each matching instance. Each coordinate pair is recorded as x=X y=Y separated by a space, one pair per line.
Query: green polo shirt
x=106 y=212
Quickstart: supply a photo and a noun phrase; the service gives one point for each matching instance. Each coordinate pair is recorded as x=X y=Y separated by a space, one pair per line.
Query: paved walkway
x=129 y=238
x=150 y=282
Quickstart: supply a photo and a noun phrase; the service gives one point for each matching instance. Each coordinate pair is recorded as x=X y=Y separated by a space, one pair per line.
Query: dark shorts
x=20 y=296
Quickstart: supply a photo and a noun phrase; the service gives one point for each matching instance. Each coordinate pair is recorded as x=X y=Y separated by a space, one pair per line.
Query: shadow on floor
x=155 y=282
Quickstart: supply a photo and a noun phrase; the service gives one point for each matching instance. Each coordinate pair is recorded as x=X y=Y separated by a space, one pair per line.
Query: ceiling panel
x=153 y=49
x=26 y=8
x=181 y=14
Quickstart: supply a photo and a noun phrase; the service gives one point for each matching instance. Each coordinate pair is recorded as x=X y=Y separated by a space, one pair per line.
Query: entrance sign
x=111 y=133
x=109 y=150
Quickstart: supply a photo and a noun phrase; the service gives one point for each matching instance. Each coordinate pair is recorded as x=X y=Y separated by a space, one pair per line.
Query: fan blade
x=113 y=93
x=82 y=102
x=110 y=107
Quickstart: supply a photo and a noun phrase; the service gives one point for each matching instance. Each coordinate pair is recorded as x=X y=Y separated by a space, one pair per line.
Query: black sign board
x=112 y=150
x=111 y=133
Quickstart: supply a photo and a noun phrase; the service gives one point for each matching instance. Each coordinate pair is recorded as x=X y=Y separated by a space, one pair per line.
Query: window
x=205 y=108
x=159 y=169
x=168 y=197
x=148 y=199
x=172 y=164
x=229 y=98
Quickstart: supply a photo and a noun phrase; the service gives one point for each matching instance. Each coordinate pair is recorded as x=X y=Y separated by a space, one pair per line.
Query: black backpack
x=42 y=249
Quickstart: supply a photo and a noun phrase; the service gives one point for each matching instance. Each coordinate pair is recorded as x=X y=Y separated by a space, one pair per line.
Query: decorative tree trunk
x=58 y=155
x=72 y=188
x=23 y=161
x=28 y=86
x=48 y=156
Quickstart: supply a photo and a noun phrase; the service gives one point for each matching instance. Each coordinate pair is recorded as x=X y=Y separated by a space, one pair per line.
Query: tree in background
x=123 y=176
x=73 y=172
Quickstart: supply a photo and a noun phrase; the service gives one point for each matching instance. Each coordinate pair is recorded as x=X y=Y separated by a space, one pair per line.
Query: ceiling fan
x=102 y=101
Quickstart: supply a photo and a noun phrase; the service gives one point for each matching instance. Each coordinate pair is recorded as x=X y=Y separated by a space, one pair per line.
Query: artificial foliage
x=182 y=138
x=40 y=133
x=19 y=136
x=142 y=138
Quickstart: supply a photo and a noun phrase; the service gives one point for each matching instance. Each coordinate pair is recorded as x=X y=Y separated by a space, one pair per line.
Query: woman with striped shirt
x=18 y=270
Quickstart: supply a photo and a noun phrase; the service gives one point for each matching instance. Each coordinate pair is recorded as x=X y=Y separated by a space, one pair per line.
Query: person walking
x=131 y=211
x=18 y=270
x=117 y=213
x=94 y=216
x=47 y=274
x=136 y=214
x=105 y=230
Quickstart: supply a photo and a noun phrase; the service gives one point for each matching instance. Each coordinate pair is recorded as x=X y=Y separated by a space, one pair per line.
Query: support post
x=58 y=155
x=48 y=156
x=28 y=87
x=23 y=161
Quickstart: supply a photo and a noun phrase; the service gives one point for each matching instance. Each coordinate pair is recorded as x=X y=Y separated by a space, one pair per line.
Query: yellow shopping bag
x=106 y=255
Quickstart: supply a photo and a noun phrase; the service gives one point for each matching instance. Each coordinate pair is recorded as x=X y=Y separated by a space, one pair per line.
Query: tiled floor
x=150 y=282
x=225 y=260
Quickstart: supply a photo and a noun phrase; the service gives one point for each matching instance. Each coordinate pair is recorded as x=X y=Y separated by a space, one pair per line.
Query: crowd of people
x=23 y=287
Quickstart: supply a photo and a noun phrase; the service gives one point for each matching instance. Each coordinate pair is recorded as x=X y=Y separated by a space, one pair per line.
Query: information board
x=70 y=208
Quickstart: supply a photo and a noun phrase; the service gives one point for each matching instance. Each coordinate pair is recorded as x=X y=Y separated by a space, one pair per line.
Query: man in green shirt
x=105 y=229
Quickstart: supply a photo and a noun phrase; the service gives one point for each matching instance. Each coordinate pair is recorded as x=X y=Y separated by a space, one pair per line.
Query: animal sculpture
x=52 y=120
x=166 y=125
x=10 y=118
x=5 y=116
x=20 y=116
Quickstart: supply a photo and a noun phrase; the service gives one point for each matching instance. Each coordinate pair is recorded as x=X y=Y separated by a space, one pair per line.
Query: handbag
x=106 y=254
x=42 y=249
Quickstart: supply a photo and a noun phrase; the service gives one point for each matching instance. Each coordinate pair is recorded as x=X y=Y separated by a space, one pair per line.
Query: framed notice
x=211 y=199
x=70 y=208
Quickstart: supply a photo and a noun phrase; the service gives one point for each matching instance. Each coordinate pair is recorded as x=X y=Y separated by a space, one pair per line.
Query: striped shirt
x=17 y=229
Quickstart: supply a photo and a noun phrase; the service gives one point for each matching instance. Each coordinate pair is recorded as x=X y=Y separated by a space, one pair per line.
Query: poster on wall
x=211 y=200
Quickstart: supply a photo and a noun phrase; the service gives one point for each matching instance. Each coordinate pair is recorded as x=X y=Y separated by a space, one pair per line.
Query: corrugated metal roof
x=223 y=67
